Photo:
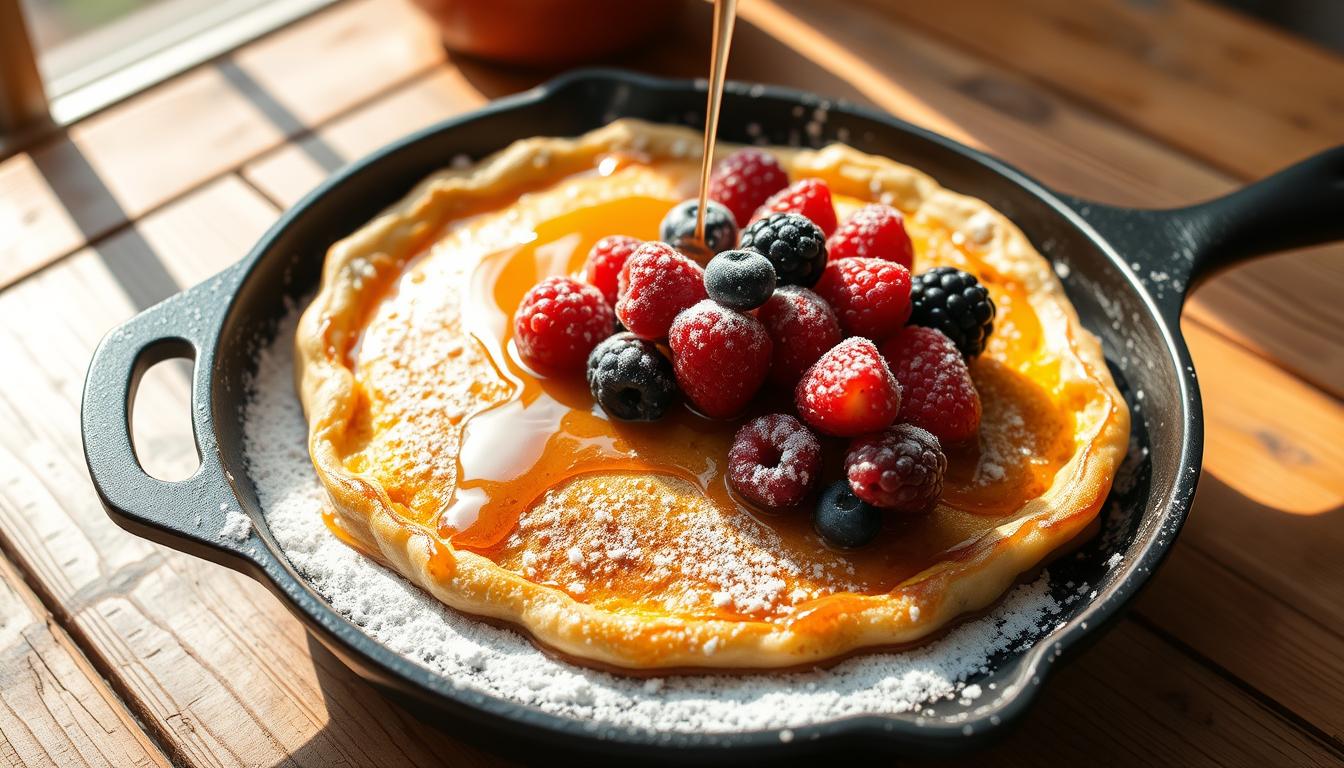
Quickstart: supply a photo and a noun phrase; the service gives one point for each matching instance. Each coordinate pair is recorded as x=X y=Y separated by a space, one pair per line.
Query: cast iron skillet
x=1127 y=272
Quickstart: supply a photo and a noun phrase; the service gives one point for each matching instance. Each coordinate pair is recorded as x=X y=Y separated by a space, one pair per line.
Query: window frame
x=31 y=108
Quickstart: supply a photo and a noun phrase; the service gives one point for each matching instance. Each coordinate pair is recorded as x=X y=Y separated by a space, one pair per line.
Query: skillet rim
x=387 y=669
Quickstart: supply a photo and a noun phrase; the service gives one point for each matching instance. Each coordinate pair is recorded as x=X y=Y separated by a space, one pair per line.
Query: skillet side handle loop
x=188 y=514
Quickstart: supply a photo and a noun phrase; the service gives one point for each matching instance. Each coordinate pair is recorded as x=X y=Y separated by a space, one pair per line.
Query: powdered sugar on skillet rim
x=502 y=663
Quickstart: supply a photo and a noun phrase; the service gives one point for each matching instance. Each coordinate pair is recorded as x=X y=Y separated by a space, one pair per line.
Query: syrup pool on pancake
x=525 y=435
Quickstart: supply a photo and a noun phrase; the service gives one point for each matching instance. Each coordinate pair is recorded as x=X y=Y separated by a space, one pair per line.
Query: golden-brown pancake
x=510 y=496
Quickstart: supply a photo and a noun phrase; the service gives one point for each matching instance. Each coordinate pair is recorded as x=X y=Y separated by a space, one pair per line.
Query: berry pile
x=796 y=303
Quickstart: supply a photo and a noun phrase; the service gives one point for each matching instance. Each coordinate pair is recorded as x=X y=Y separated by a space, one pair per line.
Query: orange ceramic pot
x=546 y=32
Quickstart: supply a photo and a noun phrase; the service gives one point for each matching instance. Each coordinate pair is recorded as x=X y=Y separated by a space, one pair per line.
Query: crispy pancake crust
x=359 y=268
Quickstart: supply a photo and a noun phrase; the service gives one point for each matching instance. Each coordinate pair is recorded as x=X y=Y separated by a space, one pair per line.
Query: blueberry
x=845 y=520
x=740 y=280
x=678 y=227
x=631 y=379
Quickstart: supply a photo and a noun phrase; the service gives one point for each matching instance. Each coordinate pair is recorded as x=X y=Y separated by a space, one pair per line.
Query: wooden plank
x=1287 y=309
x=130 y=159
x=34 y=226
x=54 y=708
x=1272 y=492
x=1269 y=435
x=326 y=64
x=1241 y=624
x=121 y=163
x=289 y=172
x=212 y=664
x=1135 y=700
x=1184 y=70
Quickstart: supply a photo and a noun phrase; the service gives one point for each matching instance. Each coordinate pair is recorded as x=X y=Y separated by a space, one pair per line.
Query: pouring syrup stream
x=725 y=13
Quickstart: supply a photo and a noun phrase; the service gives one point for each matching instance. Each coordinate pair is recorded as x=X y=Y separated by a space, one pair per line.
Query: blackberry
x=900 y=468
x=631 y=379
x=843 y=519
x=678 y=227
x=955 y=303
x=740 y=280
x=792 y=243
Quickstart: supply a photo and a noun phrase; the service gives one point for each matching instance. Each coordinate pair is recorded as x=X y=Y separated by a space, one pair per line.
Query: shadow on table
x=94 y=209
x=366 y=728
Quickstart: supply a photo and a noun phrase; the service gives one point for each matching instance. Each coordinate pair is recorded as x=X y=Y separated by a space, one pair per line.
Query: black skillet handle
x=1173 y=250
x=192 y=515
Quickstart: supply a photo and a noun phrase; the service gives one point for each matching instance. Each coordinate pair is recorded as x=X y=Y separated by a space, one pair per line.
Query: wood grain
x=54 y=708
x=1215 y=84
x=1270 y=436
x=1242 y=625
x=1285 y=308
x=335 y=60
x=124 y=162
x=1135 y=700
x=291 y=171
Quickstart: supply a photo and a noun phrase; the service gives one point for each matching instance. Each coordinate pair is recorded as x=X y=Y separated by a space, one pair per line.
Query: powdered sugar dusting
x=712 y=561
x=236 y=526
x=502 y=663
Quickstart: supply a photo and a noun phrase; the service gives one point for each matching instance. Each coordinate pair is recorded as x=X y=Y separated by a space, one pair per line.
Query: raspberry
x=559 y=322
x=793 y=244
x=871 y=297
x=955 y=303
x=774 y=461
x=802 y=327
x=630 y=378
x=720 y=356
x=849 y=390
x=678 y=227
x=900 y=468
x=744 y=180
x=656 y=283
x=809 y=197
x=937 y=393
x=874 y=231
x=603 y=266
x=740 y=280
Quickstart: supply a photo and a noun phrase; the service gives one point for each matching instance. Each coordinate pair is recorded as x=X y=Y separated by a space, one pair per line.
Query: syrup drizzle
x=725 y=13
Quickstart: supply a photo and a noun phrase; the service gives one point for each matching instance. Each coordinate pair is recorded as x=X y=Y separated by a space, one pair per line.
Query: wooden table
x=114 y=651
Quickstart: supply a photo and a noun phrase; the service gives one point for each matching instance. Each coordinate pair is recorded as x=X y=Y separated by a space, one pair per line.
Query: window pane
x=92 y=53
x=80 y=41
